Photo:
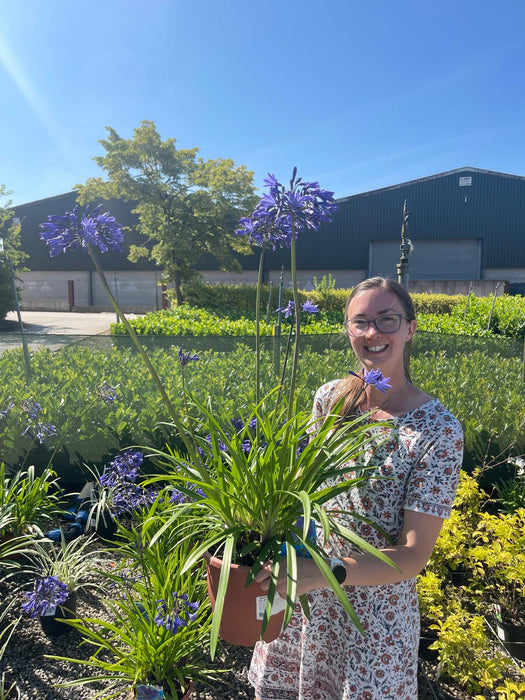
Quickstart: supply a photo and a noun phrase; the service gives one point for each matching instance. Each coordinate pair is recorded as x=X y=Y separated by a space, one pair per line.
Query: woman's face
x=375 y=349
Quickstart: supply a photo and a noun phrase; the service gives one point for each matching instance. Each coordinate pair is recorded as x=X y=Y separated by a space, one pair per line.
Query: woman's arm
x=412 y=552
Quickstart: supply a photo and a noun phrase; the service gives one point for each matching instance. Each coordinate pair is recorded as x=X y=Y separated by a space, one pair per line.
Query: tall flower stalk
x=279 y=218
x=89 y=231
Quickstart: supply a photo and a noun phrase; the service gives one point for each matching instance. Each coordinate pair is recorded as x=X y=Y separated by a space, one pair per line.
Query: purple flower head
x=176 y=614
x=43 y=430
x=32 y=408
x=74 y=230
x=6 y=411
x=310 y=307
x=185 y=358
x=180 y=497
x=283 y=213
x=374 y=377
x=48 y=592
x=124 y=468
x=287 y=310
x=106 y=393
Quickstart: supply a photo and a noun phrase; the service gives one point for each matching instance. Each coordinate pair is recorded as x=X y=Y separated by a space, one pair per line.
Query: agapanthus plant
x=47 y=594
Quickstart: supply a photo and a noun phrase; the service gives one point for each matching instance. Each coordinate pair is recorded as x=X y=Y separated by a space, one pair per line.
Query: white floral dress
x=326 y=658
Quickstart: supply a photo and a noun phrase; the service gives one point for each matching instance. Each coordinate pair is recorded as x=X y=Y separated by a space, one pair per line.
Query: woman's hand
x=308 y=576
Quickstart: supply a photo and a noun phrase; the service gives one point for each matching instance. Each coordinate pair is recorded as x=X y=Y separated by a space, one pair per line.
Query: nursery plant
x=272 y=470
x=157 y=628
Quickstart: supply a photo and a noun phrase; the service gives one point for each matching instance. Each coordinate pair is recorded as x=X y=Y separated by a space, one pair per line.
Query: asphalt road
x=60 y=322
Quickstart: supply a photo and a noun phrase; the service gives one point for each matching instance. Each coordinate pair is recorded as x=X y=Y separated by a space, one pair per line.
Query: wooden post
x=71 y=294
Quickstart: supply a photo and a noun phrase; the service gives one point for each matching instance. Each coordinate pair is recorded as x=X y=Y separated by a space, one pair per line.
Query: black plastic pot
x=105 y=526
x=426 y=638
x=512 y=636
x=52 y=625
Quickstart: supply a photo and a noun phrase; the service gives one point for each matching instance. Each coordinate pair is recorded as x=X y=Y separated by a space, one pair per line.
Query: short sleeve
x=434 y=478
x=321 y=405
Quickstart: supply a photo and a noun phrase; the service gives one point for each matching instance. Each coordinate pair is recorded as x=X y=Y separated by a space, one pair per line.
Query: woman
x=327 y=658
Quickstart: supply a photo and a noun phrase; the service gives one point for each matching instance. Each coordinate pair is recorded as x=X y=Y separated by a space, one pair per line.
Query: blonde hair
x=351 y=388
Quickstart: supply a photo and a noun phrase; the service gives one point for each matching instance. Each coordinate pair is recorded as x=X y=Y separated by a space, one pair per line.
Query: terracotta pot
x=243 y=611
x=52 y=625
x=135 y=696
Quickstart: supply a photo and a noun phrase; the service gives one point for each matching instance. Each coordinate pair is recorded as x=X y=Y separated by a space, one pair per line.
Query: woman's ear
x=412 y=325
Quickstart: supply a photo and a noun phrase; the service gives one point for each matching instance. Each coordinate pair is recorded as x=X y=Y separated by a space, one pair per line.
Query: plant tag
x=50 y=611
x=260 y=602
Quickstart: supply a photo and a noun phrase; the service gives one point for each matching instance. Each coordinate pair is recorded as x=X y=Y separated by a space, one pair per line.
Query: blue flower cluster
x=120 y=476
x=75 y=230
x=184 y=358
x=106 y=393
x=37 y=429
x=283 y=212
x=175 y=614
x=309 y=307
x=373 y=377
x=48 y=592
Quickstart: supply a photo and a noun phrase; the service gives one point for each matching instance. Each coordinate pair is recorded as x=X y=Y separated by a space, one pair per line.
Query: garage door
x=456 y=259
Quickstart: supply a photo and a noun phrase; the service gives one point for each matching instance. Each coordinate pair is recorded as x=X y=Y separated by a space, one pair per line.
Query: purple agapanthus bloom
x=32 y=408
x=48 y=592
x=310 y=308
x=106 y=393
x=176 y=614
x=374 y=377
x=74 y=230
x=124 y=468
x=283 y=213
x=287 y=310
x=180 y=497
x=6 y=411
x=184 y=358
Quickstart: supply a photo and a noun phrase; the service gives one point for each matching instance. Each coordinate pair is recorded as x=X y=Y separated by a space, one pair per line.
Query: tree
x=186 y=206
x=11 y=256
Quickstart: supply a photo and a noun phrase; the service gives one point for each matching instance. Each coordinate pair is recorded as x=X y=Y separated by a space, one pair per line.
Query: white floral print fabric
x=415 y=467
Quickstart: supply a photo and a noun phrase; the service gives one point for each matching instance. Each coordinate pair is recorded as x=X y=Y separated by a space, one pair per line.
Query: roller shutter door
x=455 y=259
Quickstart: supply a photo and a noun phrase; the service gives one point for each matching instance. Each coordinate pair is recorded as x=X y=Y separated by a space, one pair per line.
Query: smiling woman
x=412 y=478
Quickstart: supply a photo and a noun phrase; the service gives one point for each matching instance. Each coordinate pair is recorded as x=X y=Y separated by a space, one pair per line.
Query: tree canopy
x=186 y=206
x=11 y=256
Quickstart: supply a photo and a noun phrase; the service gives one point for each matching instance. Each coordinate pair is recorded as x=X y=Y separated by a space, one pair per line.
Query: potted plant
x=254 y=498
x=499 y=554
x=60 y=572
x=26 y=500
x=117 y=493
x=155 y=634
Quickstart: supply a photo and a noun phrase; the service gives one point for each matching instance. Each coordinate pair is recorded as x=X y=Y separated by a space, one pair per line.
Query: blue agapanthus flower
x=283 y=213
x=375 y=378
x=175 y=614
x=124 y=468
x=106 y=393
x=310 y=308
x=48 y=592
x=287 y=310
x=184 y=358
x=74 y=230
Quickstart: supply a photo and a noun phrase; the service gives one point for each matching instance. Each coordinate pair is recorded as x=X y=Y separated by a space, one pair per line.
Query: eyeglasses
x=386 y=323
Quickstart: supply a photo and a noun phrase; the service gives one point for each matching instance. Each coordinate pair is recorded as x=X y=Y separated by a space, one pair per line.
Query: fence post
x=71 y=294
x=492 y=307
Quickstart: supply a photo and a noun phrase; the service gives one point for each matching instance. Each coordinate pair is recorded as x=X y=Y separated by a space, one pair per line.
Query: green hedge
x=476 y=382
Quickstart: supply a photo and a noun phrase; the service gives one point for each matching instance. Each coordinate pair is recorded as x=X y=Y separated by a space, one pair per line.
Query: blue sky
x=358 y=95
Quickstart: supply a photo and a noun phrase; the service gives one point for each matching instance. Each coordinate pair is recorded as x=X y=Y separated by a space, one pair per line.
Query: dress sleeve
x=434 y=478
x=321 y=405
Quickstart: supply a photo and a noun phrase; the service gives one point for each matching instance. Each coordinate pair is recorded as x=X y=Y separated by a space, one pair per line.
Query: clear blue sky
x=359 y=95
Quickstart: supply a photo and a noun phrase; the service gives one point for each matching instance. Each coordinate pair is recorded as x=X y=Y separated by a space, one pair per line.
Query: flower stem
x=295 y=359
x=131 y=331
x=257 y=329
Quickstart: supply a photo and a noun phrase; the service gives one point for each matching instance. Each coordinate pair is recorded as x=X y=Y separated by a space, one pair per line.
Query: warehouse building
x=466 y=226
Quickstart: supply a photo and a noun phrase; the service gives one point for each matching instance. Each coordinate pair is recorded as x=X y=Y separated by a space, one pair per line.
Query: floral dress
x=327 y=658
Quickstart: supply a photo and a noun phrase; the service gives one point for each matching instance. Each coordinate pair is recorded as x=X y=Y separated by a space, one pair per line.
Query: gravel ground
x=25 y=660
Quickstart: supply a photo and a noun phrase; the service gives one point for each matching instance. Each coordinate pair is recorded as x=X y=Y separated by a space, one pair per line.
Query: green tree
x=186 y=206
x=11 y=256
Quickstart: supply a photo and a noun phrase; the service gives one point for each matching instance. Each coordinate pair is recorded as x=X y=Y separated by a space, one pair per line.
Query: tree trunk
x=177 y=285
